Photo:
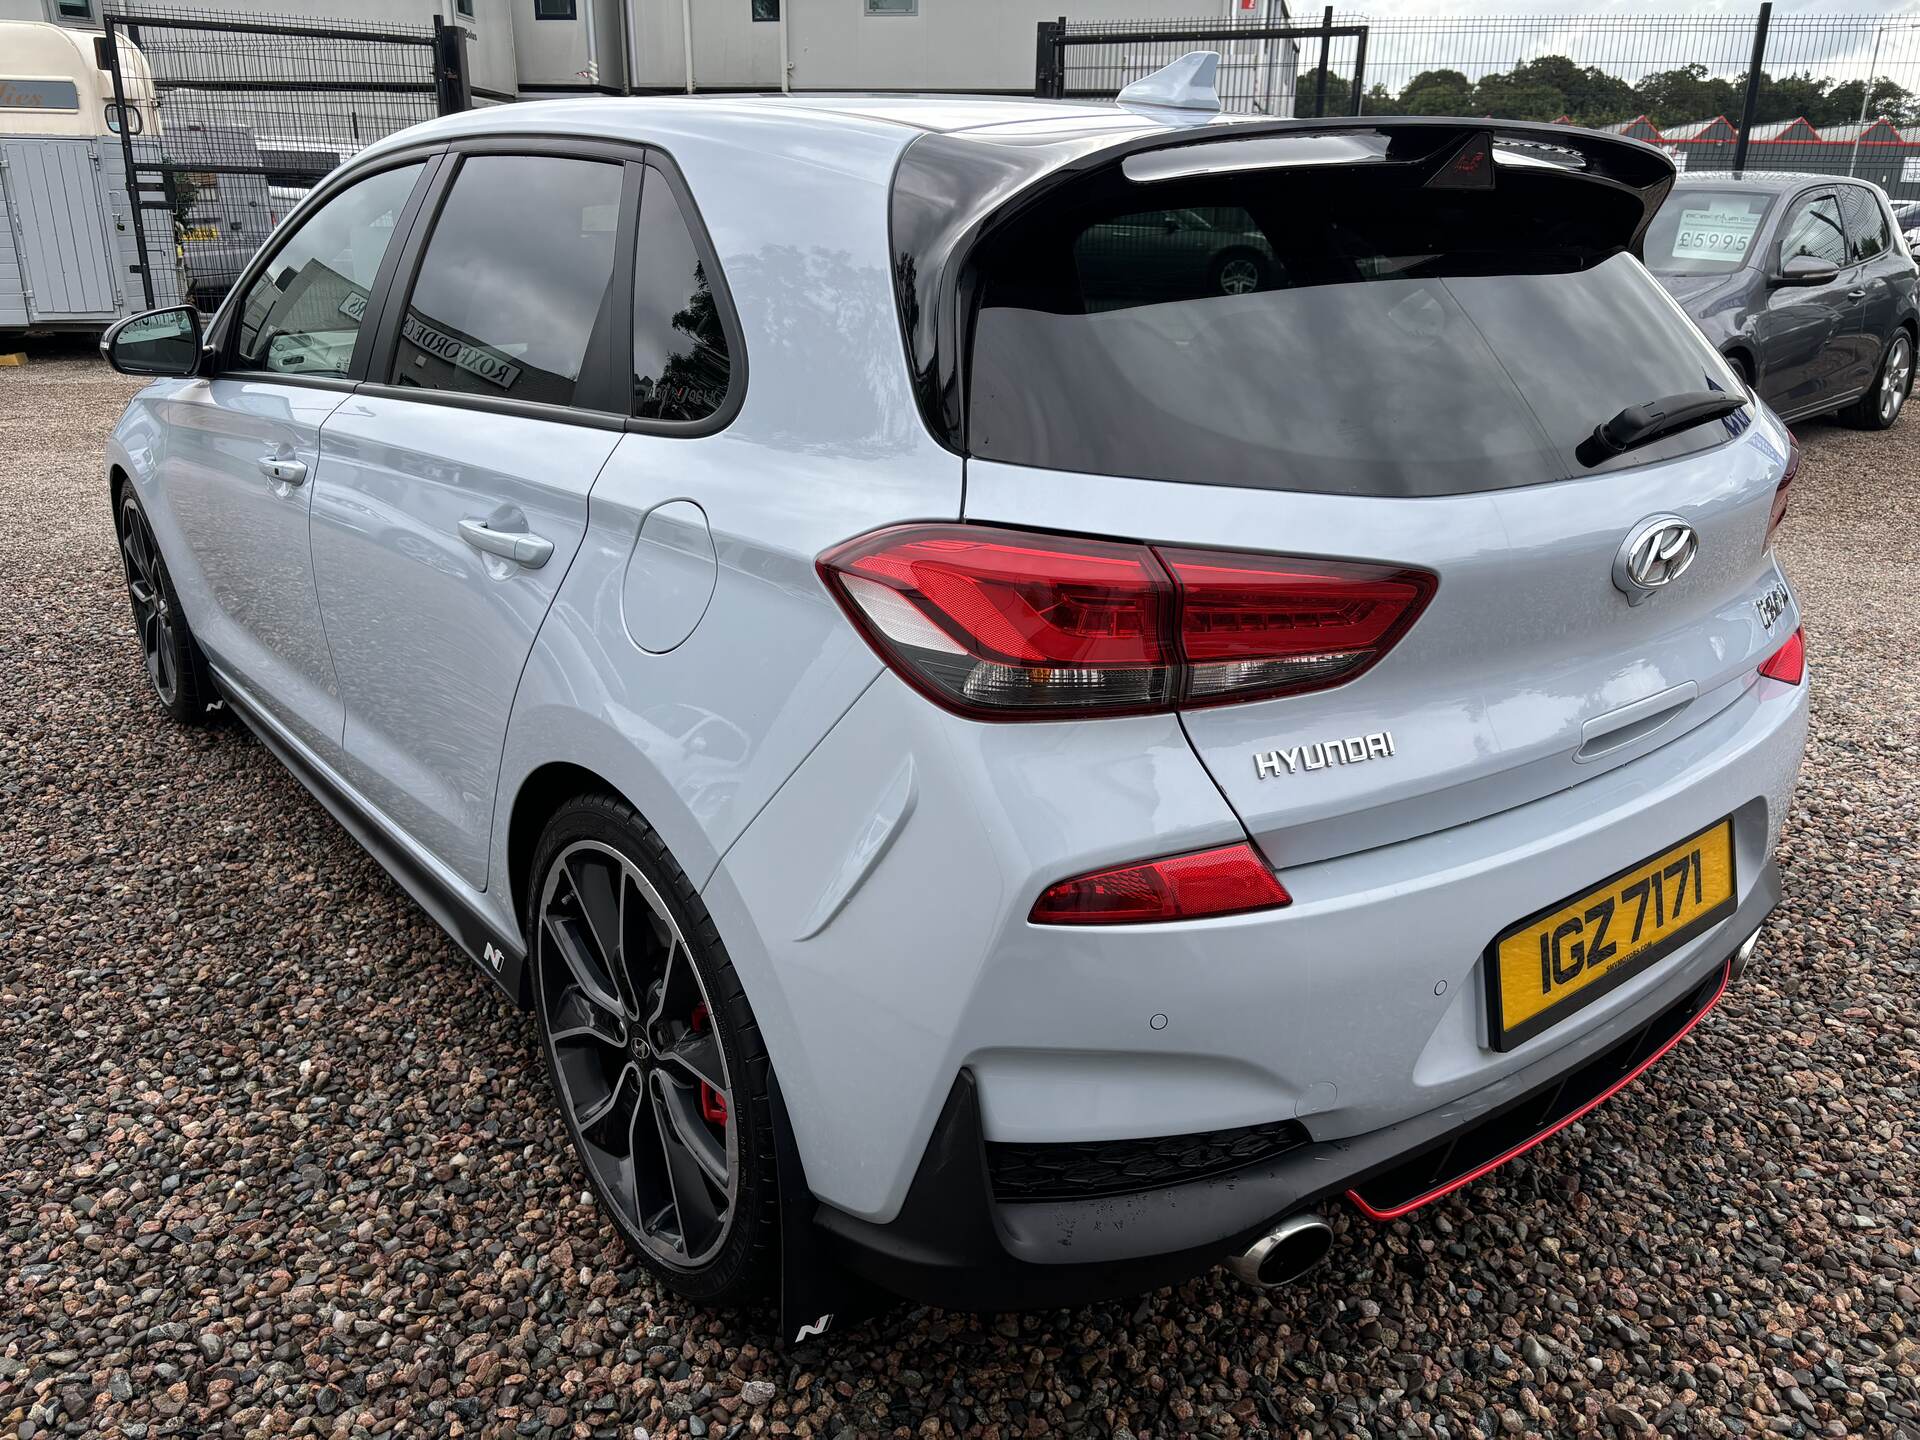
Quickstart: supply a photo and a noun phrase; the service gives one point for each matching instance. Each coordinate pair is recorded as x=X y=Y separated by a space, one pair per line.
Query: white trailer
x=68 y=257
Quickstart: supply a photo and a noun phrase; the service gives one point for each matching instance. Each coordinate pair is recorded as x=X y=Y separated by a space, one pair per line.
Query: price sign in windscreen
x=1722 y=231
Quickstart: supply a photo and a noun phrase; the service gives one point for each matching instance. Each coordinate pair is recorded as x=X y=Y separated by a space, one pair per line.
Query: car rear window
x=1705 y=232
x=1319 y=332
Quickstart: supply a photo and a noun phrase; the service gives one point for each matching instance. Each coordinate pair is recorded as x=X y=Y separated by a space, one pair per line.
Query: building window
x=74 y=9
x=766 y=9
x=893 y=7
x=463 y=8
x=553 y=9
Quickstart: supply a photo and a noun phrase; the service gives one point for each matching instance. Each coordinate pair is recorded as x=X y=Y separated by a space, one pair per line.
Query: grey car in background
x=1804 y=283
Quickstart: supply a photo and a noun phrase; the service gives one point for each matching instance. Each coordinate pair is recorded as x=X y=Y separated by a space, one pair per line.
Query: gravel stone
x=275 y=1160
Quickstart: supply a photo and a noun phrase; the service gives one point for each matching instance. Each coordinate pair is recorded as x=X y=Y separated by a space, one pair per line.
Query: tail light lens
x=1227 y=881
x=1002 y=624
x=1779 y=511
x=1255 y=625
x=1789 y=663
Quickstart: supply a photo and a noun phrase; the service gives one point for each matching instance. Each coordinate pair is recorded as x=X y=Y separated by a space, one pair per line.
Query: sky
x=1837 y=38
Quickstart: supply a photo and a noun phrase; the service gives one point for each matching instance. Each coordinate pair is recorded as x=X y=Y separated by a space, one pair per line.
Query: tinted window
x=1815 y=228
x=680 y=363
x=1866 y=222
x=1704 y=232
x=514 y=285
x=1317 y=335
x=303 y=313
x=553 y=9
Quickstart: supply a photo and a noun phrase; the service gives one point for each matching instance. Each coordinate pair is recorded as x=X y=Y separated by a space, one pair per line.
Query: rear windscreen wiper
x=1642 y=424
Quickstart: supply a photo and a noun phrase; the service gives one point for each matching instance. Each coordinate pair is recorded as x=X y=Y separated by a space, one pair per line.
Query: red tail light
x=1779 y=511
x=1227 y=881
x=1789 y=662
x=1001 y=624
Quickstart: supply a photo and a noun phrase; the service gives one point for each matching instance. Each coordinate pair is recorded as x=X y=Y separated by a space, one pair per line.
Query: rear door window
x=514 y=292
x=1321 y=334
x=1867 y=230
x=682 y=368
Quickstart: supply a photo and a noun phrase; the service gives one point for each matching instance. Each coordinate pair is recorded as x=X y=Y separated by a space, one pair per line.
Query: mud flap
x=817 y=1293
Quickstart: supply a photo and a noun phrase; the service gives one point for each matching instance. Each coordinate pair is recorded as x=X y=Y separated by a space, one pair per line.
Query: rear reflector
x=1789 y=663
x=1001 y=624
x=1780 y=495
x=1227 y=881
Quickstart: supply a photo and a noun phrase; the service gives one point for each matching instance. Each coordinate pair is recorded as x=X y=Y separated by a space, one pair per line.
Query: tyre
x=1883 y=402
x=653 y=1053
x=1740 y=367
x=1237 y=272
x=174 y=663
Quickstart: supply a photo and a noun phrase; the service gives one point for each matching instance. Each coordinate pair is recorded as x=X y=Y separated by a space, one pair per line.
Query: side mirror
x=1807 y=270
x=160 y=342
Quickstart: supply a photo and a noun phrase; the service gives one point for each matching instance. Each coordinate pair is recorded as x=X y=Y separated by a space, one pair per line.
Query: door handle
x=523 y=547
x=1856 y=294
x=286 y=472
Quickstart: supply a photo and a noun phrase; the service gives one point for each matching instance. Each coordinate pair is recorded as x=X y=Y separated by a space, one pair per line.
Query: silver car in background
x=1002 y=778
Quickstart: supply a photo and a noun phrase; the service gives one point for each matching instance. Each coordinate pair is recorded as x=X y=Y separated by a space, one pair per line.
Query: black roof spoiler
x=951 y=188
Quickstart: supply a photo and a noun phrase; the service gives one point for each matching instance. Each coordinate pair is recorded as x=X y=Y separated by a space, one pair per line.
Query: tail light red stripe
x=1395 y=1212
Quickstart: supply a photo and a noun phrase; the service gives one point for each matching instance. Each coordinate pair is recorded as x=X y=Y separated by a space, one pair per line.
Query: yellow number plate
x=1545 y=968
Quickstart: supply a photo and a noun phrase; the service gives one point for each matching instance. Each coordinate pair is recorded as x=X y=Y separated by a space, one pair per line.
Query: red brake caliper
x=713 y=1105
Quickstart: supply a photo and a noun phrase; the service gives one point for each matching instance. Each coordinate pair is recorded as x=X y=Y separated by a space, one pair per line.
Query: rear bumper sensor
x=1485 y=1147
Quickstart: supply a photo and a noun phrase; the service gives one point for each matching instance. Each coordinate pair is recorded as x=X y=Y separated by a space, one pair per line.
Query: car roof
x=1771 y=182
x=795 y=123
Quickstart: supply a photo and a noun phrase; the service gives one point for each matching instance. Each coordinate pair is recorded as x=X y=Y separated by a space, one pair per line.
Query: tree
x=1438 y=92
x=1679 y=96
x=1339 y=92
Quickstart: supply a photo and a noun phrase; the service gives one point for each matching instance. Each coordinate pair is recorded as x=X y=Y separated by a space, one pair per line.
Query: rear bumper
x=953 y=1244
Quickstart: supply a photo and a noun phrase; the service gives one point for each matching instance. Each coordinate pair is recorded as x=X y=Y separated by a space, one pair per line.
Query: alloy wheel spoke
x=578 y=1016
x=679 y=990
x=695 y=1212
x=595 y=888
x=580 y=965
x=698 y=1054
x=625 y=1088
x=679 y=1106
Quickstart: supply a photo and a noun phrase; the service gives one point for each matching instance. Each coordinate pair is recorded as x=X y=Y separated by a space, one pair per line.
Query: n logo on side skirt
x=818 y=1327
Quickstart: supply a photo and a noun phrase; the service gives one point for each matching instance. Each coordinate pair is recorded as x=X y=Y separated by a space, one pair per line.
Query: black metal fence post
x=112 y=57
x=1752 y=102
x=1358 y=97
x=1326 y=46
x=1046 y=58
x=452 y=87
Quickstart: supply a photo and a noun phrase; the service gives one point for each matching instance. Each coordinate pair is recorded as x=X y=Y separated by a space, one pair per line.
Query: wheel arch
x=1743 y=352
x=537 y=800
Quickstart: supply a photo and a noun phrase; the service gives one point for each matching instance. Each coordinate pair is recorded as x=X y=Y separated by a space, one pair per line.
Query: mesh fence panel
x=1836 y=93
x=253 y=111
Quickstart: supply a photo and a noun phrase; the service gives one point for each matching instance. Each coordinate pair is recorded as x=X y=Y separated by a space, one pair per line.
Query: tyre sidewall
x=194 y=689
x=739 y=1270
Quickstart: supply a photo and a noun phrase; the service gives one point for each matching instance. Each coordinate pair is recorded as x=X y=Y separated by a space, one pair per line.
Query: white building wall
x=491 y=61
x=836 y=45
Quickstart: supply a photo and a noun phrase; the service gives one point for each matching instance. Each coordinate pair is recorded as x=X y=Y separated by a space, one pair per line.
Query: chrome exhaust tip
x=1293 y=1247
x=1738 y=966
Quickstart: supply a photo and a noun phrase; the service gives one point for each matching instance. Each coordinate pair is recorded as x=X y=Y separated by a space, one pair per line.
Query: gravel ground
x=275 y=1160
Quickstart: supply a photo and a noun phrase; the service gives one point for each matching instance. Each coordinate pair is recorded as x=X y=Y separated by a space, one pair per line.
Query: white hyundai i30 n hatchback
x=1007 y=768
